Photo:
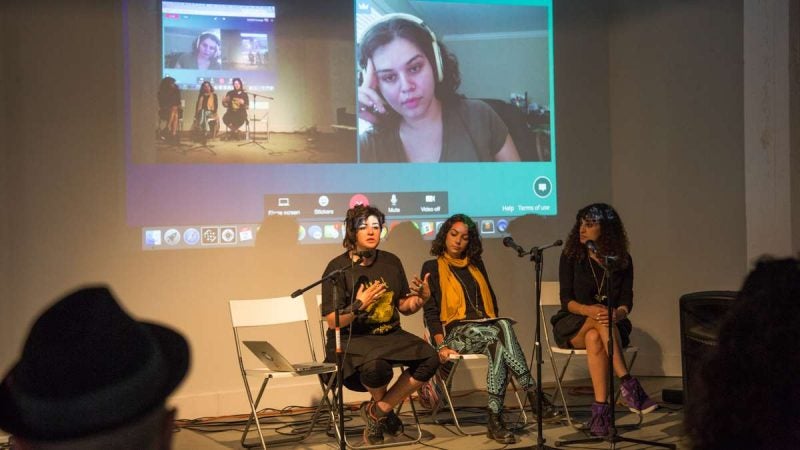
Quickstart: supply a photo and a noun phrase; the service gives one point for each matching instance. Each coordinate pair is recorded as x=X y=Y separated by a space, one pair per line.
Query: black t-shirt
x=382 y=316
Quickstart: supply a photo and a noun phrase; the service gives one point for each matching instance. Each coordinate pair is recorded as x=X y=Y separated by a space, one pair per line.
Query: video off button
x=542 y=187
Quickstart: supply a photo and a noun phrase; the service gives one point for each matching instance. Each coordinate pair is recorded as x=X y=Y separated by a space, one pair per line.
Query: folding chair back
x=272 y=312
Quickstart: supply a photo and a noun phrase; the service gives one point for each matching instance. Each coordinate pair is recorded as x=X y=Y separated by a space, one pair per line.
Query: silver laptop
x=275 y=361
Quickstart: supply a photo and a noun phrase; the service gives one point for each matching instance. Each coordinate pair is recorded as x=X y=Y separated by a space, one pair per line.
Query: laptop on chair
x=275 y=361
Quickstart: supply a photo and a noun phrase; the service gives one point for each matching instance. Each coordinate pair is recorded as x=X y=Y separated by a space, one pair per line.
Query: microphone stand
x=333 y=276
x=536 y=257
x=252 y=138
x=613 y=437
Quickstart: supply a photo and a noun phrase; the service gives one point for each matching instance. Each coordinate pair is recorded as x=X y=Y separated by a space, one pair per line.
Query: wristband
x=440 y=347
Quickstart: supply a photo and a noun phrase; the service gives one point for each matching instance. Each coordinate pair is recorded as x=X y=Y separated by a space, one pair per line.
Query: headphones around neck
x=437 y=54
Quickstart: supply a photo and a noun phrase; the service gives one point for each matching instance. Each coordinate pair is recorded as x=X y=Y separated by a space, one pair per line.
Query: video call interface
x=238 y=43
x=504 y=50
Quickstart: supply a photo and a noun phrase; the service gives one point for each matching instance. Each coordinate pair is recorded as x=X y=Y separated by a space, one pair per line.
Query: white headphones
x=437 y=54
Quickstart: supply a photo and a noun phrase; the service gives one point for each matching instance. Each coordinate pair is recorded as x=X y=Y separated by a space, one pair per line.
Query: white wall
x=648 y=118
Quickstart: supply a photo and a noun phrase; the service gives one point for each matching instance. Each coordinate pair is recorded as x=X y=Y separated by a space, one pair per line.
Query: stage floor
x=260 y=148
x=663 y=425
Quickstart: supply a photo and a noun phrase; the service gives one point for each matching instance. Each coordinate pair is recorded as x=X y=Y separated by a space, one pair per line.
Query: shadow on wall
x=650 y=360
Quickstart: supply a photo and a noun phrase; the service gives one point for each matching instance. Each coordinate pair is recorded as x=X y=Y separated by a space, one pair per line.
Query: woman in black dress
x=169 y=108
x=582 y=322
x=372 y=340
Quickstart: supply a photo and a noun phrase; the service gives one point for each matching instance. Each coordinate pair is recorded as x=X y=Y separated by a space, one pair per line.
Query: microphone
x=508 y=241
x=593 y=248
x=557 y=243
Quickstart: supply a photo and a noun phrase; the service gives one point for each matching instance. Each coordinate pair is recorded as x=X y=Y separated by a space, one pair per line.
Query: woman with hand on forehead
x=463 y=319
x=408 y=93
x=583 y=320
x=371 y=337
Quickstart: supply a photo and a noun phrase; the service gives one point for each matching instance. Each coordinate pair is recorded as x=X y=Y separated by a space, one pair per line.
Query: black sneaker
x=373 y=426
x=392 y=424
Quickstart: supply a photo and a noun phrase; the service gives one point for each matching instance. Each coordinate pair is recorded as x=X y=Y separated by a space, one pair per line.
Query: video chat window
x=217 y=42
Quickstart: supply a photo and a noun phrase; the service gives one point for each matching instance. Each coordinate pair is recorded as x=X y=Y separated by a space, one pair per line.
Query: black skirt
x=396 y=347
x=566 y=325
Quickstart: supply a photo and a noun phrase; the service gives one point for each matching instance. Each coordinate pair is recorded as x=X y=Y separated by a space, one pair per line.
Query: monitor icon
x=152 y=238
x=283 y=201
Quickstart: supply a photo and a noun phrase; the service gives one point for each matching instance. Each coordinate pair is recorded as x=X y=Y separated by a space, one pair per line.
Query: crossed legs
x=593 y=336
x=387 y=398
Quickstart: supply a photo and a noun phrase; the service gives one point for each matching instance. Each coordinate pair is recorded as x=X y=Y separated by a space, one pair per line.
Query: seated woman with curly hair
x=461 y=294
x=582 y=322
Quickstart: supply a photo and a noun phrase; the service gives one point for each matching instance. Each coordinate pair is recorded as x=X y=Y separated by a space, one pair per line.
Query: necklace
x=466 y=292
x=598 y=297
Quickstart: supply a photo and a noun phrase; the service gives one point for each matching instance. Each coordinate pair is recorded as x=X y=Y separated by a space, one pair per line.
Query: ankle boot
x=496 y=429
x=549 y=412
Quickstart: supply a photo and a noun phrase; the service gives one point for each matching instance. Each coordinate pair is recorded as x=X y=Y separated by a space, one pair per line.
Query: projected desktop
x=492 y=157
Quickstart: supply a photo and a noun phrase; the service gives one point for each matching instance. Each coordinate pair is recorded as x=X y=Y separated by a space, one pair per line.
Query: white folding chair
x=551 y=302
x=413 y=439
x=271 y=312
x=446 y=387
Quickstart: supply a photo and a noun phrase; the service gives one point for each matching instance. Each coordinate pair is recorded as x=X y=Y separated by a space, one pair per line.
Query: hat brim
x=176 y=358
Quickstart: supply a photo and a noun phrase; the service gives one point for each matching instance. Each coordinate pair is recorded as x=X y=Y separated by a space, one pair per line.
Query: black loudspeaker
x=701 y=315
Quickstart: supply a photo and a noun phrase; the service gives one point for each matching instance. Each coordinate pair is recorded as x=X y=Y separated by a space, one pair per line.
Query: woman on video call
x=409 y=94
x=205 y=54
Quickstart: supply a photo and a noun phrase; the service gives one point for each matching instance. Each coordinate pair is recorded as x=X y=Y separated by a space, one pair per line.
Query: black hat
x=88 y=366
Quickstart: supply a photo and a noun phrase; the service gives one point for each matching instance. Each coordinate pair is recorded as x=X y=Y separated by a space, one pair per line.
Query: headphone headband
x=437 y=54
x=207 y=34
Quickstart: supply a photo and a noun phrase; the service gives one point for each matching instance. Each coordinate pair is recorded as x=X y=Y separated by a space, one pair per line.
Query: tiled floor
x=664 y=425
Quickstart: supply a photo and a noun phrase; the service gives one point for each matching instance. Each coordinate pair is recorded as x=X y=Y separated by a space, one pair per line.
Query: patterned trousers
x=498 y=342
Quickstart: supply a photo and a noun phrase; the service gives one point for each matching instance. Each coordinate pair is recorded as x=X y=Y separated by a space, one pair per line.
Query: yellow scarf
x=454 y=305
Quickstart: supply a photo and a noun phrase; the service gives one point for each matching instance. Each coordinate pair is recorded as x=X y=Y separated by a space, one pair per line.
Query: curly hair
x=355 y=216
x=613 y=240
x=747 y=393
x=166 y=84
x=474 y=246
x=384 y=32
